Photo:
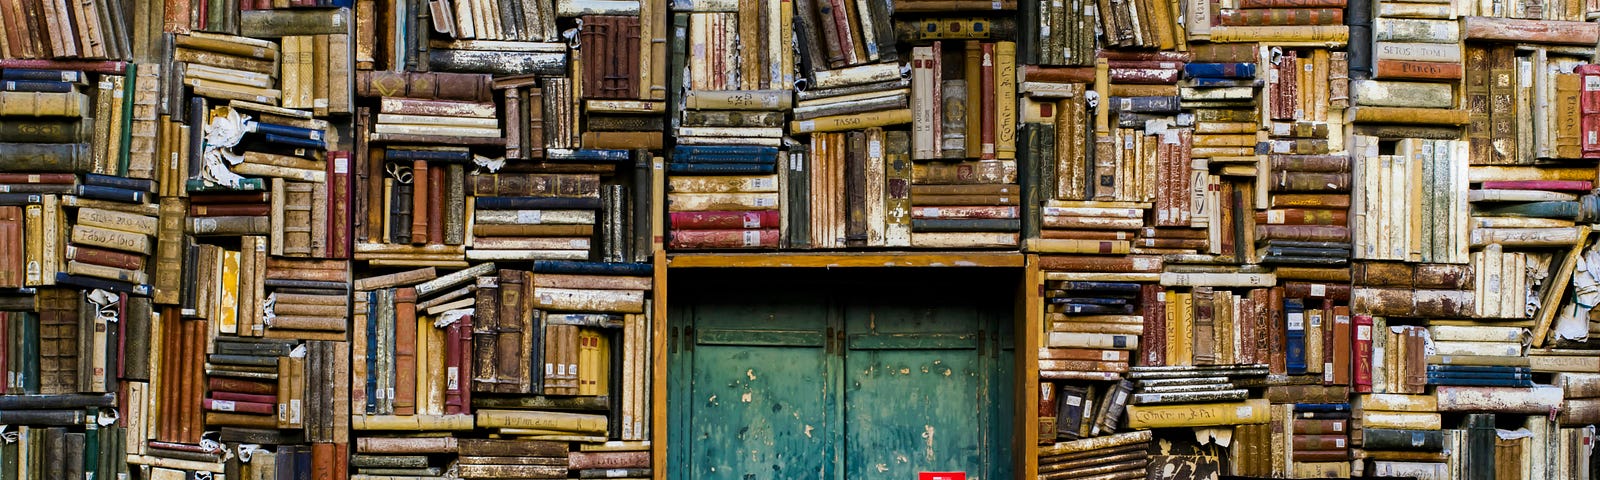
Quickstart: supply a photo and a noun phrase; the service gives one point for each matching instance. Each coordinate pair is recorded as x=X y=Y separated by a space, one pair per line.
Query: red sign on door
x=942 y=476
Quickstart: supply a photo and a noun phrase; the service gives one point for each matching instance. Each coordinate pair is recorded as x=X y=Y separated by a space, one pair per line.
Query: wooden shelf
x=846 y=259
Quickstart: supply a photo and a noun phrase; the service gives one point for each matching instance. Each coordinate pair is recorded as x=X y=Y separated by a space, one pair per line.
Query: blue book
x=1089 y=300
x=41 y=74
x=372 y=357
x=112 y=194
x=286 y=131
x=1486 y=375
x=140 y=184
x=1321 y=407
x=1156 y=104
x=294 y=141
x=36 y=86
x=1294 y=313
x=1212 y=82
x=966 y=224
x=735 y=150
x=723 y=168
x=1087 y=309
x=28 y=369
x=1128 y=288
x=587 y=155
x=1480 y=382
x=719 y=158
x=427 y=155
x=246 y=185
x=1220 y=70
x=1478 y=368
x=91 y=283
x=535 y=203
x=20 y=199
x=593 y=268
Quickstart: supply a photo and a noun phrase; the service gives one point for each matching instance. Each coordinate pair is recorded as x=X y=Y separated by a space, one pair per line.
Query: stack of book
x=1414 y=290
x=1307 y=224
x=1581 y=397
x=1321 y=439
x=1401 y=435
x=532 y=216
x=1416 y=64
x=724 y=196
x=1122 y=455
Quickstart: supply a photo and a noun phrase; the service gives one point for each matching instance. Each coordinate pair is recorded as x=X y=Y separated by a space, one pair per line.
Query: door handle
x=981 y=343
x=672 y=340
x=688 y=339
x=827 y=342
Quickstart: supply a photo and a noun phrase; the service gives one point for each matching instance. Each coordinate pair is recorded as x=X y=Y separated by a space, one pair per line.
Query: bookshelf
x=393 y=238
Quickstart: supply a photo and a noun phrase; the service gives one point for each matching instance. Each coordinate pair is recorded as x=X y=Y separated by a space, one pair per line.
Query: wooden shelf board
x=846 y=259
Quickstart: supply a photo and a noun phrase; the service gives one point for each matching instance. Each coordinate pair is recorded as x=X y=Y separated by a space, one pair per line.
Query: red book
x=237 y=385
x=986 y=102
x=464 y=353
x=1362 y=380
x=12 y=267
x=49 y=178
x=419 y=201
x=696 y=239
x=1591 y=135
x=322 y=460
x=1341 y=357
x=1403 y=69
x=240 y=407
x=339 y=212
x=245 y=397
x=452 y=367
x=1277 y=363
x=108 y=67
x=723 y=220
x=1591 y=87
x=1153 y=302
x=1558 y=185
x=5 y=323
x=405 y=351
x=436 y=205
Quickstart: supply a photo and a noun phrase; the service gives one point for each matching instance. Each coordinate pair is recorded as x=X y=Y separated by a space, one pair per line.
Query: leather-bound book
x=405 y=351
x=513 y=334
x=12 y=268
x=436 y=205
x=469 y=87
x=421 y=180
x=297 y=218
x=485 y=326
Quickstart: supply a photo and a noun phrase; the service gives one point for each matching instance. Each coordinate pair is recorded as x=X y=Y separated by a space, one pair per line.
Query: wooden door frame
x=1027 y=329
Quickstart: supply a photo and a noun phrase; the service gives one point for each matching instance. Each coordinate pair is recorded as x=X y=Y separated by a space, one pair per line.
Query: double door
x=825 y=378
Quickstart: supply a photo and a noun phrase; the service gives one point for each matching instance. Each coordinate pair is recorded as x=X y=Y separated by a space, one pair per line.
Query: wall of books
x=388 y=239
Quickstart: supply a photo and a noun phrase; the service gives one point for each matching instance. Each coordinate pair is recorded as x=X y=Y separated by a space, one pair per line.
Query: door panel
x=794 y=378
x=759 y=399
x=916 y=391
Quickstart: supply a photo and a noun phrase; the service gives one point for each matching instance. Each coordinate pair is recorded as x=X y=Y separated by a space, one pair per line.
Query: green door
x=829 y=379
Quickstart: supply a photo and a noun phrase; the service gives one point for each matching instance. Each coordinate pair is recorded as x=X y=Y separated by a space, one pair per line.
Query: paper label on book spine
x=766 y=201
x=763 y=183
x=1364 y=333
x=222 y=405
x=1338 y=426
x=451 y=381
x=1296 y=321
x=616 y=473
x=1317 y=290
x=1243 y=411
x=529 y=217
x=1074 y=401
x=1108 y=355
x=1327 y=372
x=752 y=238
x=752 y=220
x=1316 y=320
x=1145 y=263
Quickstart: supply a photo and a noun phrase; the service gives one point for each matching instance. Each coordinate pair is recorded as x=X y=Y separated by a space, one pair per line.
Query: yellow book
x=33 y=245
x=227 y=317
x=853 y=121
x=1401 y=420
x=1399 y=403
x=104 y=237
x=1005 y=90
x=559 y=421
x=1299 y=35
x=413 y=423
x=1203 y=415
x=120 y=221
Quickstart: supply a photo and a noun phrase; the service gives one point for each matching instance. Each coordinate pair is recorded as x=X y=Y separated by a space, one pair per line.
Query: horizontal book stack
x=1402 y=435
x=1208 y=394
x=1124 y=455
x=724 y=196
x=531 y=216
x=1416 y=66
x=1321 y=439
x=1579 y=404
